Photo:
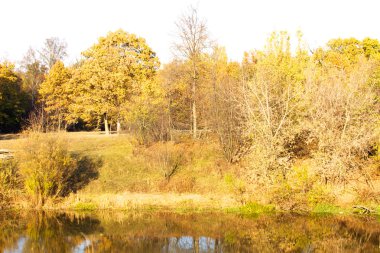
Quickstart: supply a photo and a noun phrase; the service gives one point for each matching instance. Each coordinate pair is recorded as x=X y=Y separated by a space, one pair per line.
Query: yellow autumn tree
x=54 y=92
x=111 y=74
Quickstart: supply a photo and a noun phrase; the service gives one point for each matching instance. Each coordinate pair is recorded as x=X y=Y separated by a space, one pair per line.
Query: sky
x=238 y=25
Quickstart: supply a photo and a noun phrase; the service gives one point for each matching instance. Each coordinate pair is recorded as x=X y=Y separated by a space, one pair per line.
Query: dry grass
x=129 y=200
x=134 y=176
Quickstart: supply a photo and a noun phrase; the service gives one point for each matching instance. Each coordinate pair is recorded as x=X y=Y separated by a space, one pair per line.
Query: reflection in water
x=169 y=232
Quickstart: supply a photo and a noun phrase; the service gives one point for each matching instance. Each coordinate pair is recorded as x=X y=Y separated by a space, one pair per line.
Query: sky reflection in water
x=170 y=232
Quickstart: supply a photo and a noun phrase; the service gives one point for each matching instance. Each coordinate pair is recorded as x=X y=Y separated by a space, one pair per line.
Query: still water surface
x=171 y=232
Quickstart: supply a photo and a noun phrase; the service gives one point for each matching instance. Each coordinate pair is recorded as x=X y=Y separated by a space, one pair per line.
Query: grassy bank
x=184 y=175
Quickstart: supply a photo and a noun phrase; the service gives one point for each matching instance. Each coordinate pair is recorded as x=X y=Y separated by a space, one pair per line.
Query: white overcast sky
x=239 y=25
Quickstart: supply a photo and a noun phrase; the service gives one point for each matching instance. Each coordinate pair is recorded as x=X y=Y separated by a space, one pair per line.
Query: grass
x=85 y=207
x=129 y=200
x=327 y=209
x=131 y=176
x=252 y=209
x=129 y=167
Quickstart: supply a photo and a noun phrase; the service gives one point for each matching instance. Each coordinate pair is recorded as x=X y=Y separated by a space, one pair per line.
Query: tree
x=54 y=92
x=343 y=114
x=111 y=75
x=174 y=78
x=54 y=49
x=345 y=53
x=225 y=109
x=272 y=103
x=193 y=41
x=148 y=113
x=12 y=99
x=33 y=75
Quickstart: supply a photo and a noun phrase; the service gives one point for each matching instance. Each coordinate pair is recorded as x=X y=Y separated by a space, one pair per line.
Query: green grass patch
x=252 y=209
x=377 y=210
x=85 y=207
x=327 y=209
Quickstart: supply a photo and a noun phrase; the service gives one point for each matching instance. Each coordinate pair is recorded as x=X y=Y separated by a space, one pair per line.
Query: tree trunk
x=99 y=120
x=194 y=117
x=196 y=245
x=170 y=121
x=118 y=126
x=193 y=106
x=59 y=123
x=106 y=128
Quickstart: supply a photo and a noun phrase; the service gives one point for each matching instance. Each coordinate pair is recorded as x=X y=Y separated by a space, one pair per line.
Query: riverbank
x=116 y=172
x=186 y=203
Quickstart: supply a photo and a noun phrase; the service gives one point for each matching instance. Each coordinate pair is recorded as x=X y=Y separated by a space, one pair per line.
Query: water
x=170 y=232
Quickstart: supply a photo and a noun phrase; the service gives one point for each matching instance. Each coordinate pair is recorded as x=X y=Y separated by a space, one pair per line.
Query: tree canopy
x=112 y=73
x=12 y=99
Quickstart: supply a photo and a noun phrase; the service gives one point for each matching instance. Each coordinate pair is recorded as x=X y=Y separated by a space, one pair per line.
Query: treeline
x=277 y=104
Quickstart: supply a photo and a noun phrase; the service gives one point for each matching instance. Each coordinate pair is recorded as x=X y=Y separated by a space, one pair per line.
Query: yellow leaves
x=345 y=53
x=113 y=74
x=6 y=72
x=54 y=90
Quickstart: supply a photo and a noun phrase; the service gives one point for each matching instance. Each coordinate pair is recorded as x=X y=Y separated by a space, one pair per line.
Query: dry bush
x=179 y=184
x=295 y=109
x=38 y=122
x=343 y=115
x=168 y=158
x=273 y=104
x=301 y=190
x=368 y=195
x=9 y=179
x=230 y=121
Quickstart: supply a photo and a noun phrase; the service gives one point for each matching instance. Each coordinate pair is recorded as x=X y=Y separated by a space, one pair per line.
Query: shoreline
x=186 y=203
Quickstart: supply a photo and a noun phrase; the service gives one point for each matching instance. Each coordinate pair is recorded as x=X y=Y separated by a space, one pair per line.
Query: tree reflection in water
x=170 y=232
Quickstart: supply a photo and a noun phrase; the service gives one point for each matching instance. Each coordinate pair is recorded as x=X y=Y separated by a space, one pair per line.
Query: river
x=117 y=231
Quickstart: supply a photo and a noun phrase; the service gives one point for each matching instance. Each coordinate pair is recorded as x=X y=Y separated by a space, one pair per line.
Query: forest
x=298 y=125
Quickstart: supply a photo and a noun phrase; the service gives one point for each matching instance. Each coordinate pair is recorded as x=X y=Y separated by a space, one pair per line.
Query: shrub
x=320 y=194
x=237 y=187
x=300 y=190
x=9 y=179
x=256 y=208
x=367 y=195
x=46 y=167
x=168 y=158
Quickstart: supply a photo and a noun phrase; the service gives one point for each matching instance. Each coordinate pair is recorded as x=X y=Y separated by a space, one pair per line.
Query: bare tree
x=193 y=41
x=34 y=72
x=53 y=50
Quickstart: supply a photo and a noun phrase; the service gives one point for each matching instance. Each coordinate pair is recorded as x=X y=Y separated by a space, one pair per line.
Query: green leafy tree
x=12 y=99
